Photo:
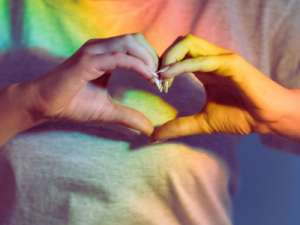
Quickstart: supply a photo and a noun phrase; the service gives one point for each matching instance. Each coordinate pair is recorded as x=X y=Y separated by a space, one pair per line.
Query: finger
x=190 y=47
x=74 y=76
x=170 y=81
x=223 y=65
x=95 y=66
x=128 y=117
x=166 y=83
x=133 y=45
x=177 y=40
x=142 y=40
x=180 y=127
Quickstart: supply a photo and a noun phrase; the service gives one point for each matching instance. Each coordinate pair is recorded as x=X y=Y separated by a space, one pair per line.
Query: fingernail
x=151 y=142
x=161 y=85
x=163 y=69
x=166 y=86
x=151 y=71
x=134 y=131
x=157 y=83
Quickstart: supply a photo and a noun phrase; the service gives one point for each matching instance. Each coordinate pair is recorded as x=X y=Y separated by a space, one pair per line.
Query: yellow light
x=157 y=111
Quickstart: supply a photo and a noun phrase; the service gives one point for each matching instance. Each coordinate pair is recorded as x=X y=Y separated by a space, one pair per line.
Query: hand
x=77 y=89
x=239 y=98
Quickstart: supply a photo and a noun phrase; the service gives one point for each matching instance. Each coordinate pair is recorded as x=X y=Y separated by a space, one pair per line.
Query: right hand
x=239 y=98
x=77 y=89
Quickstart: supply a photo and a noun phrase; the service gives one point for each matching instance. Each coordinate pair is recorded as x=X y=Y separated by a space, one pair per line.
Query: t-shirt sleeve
x=284 y=54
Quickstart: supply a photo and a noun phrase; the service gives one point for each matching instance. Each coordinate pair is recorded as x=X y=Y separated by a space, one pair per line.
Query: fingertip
x=146 y=131
x=130 y=118
x=146 y=127
x=161 y=134
x=166 y=83
x=170 y=82
x=151 y=142
x=183 y=126
x=169 y=71
x=164 y=69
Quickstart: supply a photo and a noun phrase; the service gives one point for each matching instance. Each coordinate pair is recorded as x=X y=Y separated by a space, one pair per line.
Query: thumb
x=183 y=126
x=127 y=117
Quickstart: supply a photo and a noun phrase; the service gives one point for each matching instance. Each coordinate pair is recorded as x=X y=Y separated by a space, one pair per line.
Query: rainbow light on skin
x=157 y=111
x=40 y=24
x=5 y=40
x=110 y=165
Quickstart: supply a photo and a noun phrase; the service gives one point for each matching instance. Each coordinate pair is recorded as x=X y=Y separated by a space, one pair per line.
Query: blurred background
x=270 y=186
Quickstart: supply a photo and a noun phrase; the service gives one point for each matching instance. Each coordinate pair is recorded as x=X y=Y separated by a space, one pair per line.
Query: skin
x=77 y=89
x=240 y=99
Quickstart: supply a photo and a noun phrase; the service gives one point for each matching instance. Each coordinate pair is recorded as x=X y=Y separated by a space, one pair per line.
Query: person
x=99 y=173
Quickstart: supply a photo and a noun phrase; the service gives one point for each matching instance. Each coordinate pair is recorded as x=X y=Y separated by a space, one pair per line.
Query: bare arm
x=289 y=125
x=77 y=90
x=239 y=98
x=14 y=117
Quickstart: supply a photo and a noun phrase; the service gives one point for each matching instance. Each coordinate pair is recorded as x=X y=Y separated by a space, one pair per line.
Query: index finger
x=191 y=47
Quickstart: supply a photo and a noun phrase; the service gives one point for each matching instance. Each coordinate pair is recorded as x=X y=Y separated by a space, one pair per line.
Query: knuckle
x=200 y=59
x=136 y=61
x=127 y=41
x=84 y=60
x=138 y=36
x=85 y=49
x=191 y=37
x=86 y=67
x=191 y=40
x=235 y=58
x=194 y=40
x=128 y=38
x=118 y=56
x=90 y=41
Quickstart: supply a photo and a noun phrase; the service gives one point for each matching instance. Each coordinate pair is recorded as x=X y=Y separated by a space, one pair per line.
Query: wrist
x=288 y=126
x=15 y=116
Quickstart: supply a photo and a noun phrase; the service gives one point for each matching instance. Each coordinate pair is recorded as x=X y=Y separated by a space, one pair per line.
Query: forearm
x=14 y=116
x=289 y=125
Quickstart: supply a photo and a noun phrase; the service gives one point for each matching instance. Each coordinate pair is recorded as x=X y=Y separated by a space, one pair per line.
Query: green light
x=42 y=20
x=157 y=111
x=5 y=40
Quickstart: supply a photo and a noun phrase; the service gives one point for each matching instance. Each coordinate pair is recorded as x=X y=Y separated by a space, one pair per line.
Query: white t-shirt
x=69 y=173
